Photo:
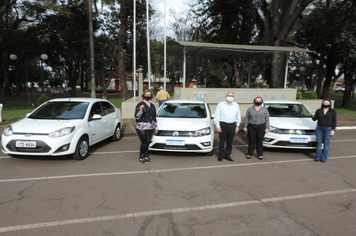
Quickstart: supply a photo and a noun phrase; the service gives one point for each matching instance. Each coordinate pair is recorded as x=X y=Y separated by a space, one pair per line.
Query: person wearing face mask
x=325 y=129
x=146 y=124
x=227 y=119
x=257 y=125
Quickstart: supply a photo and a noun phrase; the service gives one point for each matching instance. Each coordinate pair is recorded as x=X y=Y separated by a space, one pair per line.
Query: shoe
x=322 y=161
x=228 y=158
x=147 y=159
x=220 y=159
x=143 y=160
x=260 y=157
x=248 y=157
x=316 y=160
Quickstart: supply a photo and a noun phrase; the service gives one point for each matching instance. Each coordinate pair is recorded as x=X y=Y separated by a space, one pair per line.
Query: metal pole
x=286 y=74
x=134 y=53
x=184 y=65
x=148 y=46
x=165 y=45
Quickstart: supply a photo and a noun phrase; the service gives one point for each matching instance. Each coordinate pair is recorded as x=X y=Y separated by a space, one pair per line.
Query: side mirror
x=96 y=117
x=212 y=116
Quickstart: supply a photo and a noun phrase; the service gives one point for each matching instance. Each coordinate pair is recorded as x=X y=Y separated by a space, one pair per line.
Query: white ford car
x=184 y=126
x=291 y=125
x=63 y=126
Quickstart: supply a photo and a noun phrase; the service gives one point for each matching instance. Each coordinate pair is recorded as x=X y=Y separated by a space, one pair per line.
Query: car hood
x=41 y=126
x=292 y=123
x=182 y=124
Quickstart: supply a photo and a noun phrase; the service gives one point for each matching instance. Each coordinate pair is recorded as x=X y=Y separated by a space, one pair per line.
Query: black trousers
x=145 y=137
x=226 y=136
x=256 y=134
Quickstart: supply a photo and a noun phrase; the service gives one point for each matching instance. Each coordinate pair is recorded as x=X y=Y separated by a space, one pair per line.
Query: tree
x=284 y=14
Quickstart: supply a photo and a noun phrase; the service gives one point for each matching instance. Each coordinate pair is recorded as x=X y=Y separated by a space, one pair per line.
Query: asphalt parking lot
x=112 y=193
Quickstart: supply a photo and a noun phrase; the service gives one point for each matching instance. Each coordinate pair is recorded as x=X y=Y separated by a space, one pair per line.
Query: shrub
x=306 y=95
x=43 y=98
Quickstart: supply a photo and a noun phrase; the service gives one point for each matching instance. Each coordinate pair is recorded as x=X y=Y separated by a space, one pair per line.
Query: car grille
x=294 y=131
x=288 y=144
x=180 y=133
x=168 y=147
x=41 y=147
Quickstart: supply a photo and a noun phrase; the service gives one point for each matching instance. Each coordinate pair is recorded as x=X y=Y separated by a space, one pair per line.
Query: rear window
x=182 y=110
x=287 y=110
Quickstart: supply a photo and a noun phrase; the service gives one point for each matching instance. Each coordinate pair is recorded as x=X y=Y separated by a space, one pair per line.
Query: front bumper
x=273 y=140
x=45 y=146
x=203 y=144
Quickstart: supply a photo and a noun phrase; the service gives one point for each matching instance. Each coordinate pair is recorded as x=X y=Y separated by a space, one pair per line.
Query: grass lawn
x=16 y=107
x=338 y=100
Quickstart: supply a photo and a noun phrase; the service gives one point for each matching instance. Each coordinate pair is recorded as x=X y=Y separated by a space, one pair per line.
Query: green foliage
x=306 y=95
x=43 y=98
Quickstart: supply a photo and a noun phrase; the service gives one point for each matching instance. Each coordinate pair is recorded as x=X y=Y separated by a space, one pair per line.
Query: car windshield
x=182 y=110
x=61 y=110
x=287 y=110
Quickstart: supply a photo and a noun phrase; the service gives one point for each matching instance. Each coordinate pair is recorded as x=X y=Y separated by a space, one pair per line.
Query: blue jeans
x=322 y=137
x=161 y=102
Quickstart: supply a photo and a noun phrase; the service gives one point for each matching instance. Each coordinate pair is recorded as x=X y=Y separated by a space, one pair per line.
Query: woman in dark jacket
x=325 y=129
x=146 y=124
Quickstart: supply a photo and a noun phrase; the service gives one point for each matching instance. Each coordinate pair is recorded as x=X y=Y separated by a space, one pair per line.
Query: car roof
x=282 y=101
x=78 y=100
x=186 y=101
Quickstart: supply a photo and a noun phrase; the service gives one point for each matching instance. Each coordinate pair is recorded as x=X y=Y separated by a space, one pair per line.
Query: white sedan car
x=184 y=126
x=63 y=126
x=291 y=125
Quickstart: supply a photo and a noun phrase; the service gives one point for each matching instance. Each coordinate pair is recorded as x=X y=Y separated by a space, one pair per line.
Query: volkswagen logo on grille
x=299 y=132
x=175 y=133
x=28 y=135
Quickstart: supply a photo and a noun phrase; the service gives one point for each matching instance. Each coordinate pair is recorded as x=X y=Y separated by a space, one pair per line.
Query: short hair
x=147 y=91
x=161 y=87
x=230 y=92
x=254 y=100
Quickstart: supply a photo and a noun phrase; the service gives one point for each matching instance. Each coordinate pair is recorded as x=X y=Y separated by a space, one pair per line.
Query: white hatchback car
x=184 y=126
x=63 y=126
x=291 y=125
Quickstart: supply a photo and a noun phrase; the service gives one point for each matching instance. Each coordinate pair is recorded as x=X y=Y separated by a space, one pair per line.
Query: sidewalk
x=344 y=121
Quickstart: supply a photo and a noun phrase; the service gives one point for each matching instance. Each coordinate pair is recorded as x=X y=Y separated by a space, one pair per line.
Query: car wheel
x=82 y=149
x=117 y=133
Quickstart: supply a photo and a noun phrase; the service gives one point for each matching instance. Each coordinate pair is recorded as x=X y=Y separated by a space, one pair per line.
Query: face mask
x=258 y=103
x=229 y=99
x=147 y=98
x=326 y=106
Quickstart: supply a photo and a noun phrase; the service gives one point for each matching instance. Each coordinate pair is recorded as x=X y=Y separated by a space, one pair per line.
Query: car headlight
x=61 y=132
x=274 y=129
x=8 y=131
x=201 y=132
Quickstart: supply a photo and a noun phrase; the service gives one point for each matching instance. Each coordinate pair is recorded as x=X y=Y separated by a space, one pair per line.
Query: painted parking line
x=171 y=211
x=164 y=170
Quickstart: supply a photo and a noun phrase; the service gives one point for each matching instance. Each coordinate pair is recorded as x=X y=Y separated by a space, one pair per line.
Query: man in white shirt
x=227 y=120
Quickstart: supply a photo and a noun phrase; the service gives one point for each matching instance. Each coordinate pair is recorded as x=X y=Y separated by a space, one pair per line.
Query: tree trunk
x=330 y=71
x=122 y=41
x=237 y=74
x=278 y=70
x=91 y=44
x=5 y=67
x=346 y=100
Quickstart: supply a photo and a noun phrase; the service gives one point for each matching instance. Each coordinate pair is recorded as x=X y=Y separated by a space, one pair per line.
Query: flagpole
x=165 y=44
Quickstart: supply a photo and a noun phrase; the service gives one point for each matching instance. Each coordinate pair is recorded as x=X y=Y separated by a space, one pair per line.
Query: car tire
x=117 y=133
x=82 y=149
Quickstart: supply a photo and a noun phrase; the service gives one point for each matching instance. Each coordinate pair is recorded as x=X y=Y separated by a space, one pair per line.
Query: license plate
x=26 y=144
x=175 y=142
x=298 y=140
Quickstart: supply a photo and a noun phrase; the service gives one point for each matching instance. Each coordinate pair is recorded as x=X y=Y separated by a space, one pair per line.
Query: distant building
x=115 y=80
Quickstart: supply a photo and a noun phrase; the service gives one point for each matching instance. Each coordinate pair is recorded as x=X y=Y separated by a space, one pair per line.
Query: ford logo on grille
x=175 y=133
x=28 y=135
